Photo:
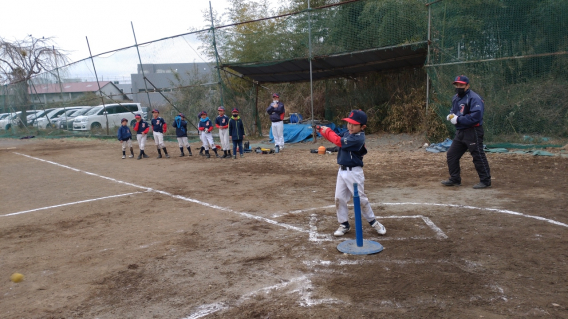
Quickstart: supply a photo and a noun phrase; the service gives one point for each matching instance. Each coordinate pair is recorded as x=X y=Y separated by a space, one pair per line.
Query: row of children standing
x=232 y=128
x=229 y=128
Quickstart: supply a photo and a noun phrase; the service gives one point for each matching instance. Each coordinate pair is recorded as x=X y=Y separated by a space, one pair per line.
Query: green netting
x=515 y=54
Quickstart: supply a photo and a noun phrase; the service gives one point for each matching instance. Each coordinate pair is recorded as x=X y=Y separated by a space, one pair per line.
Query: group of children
x=349 y=157
x=232 y=128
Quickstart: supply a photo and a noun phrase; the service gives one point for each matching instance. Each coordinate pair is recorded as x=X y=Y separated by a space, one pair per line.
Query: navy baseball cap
x=123 y=120
x=220 y=108
x=275 y=95
x=357 y=117
x=155 y=111
x=461 y=79
x=202 y=112
x=137 y=115
x=181 y=115
x=235 y=110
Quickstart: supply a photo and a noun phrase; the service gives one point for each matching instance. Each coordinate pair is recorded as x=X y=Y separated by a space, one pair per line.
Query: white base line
x=67 y=204
x=502 y=211
x=305 y=292
x=148 y=189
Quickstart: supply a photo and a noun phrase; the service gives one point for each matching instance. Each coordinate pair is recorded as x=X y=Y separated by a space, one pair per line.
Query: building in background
x=69 y=91
x=167 y=77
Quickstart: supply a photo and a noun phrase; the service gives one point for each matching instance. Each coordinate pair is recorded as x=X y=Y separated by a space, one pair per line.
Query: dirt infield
x=100 y=237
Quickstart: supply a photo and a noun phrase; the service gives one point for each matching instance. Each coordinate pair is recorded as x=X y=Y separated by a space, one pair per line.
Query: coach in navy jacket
x=467 y=115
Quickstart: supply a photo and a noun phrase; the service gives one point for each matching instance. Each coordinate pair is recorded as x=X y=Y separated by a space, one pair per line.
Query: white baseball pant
x=141 y=138
x=126 y=144
x=278 y=133
x=344 y=192
x=159 y=139
x=224 y=137
x=207 y=140
x=182 y=141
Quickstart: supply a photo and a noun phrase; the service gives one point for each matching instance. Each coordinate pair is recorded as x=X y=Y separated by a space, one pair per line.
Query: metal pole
x=216 y=53
x=99 y=85
x=59 y=81
x=428 y=62
x=358 y=222
x=141 y=66
x=257 y=118
x=311 y=78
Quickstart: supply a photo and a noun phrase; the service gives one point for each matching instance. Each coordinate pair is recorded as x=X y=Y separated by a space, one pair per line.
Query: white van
x=96 y=119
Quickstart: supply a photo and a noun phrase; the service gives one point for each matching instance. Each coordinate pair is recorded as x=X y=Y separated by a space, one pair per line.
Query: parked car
x=3 y=115
x=43 y=123
x=7 y=122
x=96 y=119
x=65 y=122
x=33 y=119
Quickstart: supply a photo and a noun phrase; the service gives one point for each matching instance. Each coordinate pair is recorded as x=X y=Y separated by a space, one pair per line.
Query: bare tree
x=20 y=60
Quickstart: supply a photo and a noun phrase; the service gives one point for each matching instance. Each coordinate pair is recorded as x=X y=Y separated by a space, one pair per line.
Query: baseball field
x=96 y=236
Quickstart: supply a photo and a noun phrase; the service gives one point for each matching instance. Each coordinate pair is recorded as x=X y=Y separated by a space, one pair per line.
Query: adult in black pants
x=467 y=115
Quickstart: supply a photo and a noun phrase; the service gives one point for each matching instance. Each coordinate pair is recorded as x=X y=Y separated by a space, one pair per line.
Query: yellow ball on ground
x=16 y=277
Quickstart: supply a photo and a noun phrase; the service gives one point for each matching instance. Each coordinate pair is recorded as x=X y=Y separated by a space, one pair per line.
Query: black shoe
x=139 y=157
x=481 y=185
x=182 y=155
x=208 y=155
x=167 y=156
x=189 y=154
x=159 y=156
x=145 y=156
x=450 y=183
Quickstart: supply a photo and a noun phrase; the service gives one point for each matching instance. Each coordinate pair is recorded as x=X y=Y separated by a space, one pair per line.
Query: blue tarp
x=296 y=133
x=440 y=147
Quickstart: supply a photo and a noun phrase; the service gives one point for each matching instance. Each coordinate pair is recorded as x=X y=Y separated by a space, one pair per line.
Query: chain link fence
x=514 y=52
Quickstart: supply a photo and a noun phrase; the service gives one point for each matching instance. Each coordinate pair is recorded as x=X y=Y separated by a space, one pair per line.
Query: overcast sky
x=107 y=25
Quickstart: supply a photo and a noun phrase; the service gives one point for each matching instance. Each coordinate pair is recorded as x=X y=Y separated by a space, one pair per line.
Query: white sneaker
x=342 y=230
x=123 y=156
x=130 y=156
x=379 y=228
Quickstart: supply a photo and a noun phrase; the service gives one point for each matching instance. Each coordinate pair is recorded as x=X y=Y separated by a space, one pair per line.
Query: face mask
x=460 y=92
x=235 y=115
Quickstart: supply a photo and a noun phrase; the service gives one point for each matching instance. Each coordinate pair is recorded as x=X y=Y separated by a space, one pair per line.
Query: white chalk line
x=502 y=211
x=148 y=189
x=305 y=291
x=67 y=204
x=314 y=236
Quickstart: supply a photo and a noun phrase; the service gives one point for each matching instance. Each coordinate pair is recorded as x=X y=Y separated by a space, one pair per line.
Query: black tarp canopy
x=333 y=66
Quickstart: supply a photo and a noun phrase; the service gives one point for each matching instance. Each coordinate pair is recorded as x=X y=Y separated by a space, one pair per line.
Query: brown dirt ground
x=253 y=255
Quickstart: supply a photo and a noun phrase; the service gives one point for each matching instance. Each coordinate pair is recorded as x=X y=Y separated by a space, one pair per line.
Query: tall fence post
x=216 y=53
x=99 y=85
x=141 y=67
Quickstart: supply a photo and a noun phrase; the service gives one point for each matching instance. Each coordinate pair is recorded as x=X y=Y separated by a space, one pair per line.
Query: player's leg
x=162 y=145
x=342 y=196
x=279 y=138
x=123 y=145
x=453 y=156
x=235 y=143
x=357 y=176
x=212 y=144
x=479 y=158
x=186 y=143
x=180 y=144
x=224 y=136
x=156 y=136
x=129 y=144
